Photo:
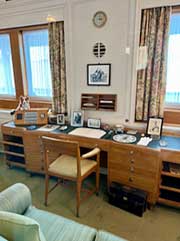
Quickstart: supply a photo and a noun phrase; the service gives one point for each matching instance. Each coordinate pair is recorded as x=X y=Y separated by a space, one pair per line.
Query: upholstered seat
x=66 y=165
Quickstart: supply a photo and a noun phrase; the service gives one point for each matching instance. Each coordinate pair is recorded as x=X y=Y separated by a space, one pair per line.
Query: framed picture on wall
x=77 y=118
x=99 y=74
x=154 y=126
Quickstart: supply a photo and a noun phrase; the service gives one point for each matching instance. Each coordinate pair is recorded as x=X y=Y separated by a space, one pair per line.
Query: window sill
x=12 y=103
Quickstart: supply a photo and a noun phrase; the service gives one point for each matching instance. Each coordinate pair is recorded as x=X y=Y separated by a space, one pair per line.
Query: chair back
x=60 y=147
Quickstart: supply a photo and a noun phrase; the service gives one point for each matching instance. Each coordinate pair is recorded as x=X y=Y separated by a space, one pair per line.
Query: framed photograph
x=94 y=123
x=77 y=118
x=60 y=119
x=154 y=126
x=99 y=74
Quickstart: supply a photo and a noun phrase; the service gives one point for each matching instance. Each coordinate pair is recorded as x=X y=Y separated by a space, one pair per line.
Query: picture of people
x=60 y=119
x=154 y=126
x=77 y=118
x=98 y=74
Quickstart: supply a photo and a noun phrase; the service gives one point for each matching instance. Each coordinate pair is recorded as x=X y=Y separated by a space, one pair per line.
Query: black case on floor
x=128 y=198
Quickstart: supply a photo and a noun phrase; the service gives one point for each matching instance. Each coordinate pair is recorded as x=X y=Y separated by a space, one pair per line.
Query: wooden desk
x=132 y=165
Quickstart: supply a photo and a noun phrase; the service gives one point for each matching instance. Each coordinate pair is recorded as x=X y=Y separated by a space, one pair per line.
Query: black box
x=128 y=198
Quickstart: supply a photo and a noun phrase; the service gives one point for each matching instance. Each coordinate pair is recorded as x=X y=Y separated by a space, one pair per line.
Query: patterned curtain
x=58 y=66
x=151 y=81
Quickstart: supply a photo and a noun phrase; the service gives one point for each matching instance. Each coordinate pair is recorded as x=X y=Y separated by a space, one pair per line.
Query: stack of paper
x=144 y=141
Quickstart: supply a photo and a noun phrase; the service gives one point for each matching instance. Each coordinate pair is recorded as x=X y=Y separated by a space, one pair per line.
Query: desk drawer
x=135 y=180
x=133 y=169
x=142 y=161
x=12 y=131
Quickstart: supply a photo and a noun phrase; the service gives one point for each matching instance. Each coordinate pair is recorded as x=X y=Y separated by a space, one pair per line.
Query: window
x=25 y=66
x=173 y=65
x=7 y=86
x=36 y=50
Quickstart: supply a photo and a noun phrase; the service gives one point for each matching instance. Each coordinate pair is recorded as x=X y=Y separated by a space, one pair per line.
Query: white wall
x=29 y=12
x=117 y=34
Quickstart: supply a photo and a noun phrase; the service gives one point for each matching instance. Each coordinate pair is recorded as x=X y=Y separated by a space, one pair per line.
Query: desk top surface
x=172 y=142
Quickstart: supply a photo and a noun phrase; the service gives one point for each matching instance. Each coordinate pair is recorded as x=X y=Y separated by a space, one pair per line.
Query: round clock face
x=99 y=19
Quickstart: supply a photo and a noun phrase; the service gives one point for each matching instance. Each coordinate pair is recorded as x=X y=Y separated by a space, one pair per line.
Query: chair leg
x=97 y=180
x=46 y=189
x=78 y=194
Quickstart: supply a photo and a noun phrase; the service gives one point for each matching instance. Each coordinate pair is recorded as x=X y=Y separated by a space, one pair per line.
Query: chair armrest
x=92 y=153
x=16 y=198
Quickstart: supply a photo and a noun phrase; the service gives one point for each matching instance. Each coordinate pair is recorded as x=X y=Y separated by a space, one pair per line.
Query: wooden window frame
x=19 y=69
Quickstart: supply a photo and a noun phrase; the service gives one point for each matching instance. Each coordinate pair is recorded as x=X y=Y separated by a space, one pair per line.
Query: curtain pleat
x=151 y=81
x=58 y=66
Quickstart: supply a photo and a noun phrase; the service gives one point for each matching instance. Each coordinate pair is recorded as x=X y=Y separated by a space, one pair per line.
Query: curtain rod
x=174 y=7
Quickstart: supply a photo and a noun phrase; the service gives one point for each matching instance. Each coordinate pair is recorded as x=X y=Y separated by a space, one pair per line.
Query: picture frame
x=77 y=118
x=154 y=126
x=93 y=123
x=60 y=119
x=99 y=74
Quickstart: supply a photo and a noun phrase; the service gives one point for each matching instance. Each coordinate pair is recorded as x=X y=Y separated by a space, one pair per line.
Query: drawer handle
x=132 y=169
x=132 y=160
x=131 y=179
x=131 y=152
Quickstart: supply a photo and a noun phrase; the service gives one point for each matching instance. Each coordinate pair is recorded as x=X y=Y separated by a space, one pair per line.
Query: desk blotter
x=88 y=132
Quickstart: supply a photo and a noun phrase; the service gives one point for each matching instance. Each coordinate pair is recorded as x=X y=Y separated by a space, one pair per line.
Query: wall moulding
x=14 y=8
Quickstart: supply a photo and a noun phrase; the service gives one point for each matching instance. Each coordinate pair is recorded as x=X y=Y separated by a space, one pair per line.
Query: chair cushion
x=58 y=228
x=15 y=227
x=67 y=166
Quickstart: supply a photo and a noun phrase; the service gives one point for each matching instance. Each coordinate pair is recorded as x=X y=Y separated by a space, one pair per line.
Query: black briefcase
x=128 y=198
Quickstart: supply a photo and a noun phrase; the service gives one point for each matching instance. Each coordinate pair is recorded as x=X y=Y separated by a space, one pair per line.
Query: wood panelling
x=172 y=116
x=12 y=104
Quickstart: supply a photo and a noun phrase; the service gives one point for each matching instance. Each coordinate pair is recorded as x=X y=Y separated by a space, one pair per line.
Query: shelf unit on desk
x=13 y=145
x=169 y=185
x=103 y=102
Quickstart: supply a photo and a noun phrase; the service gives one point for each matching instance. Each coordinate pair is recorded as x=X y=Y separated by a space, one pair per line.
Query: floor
x=160 y=224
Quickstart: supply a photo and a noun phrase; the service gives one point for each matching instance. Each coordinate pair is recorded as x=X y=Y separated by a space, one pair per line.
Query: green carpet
x=159 y=224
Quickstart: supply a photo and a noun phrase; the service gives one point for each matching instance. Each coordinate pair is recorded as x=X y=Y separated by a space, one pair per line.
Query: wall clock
x=99 y=19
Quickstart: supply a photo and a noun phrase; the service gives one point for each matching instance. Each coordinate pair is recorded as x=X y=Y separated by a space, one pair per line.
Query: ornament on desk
x=23 y=104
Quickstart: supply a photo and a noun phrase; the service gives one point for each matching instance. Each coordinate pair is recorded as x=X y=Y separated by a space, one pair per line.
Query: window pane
x=173 y=67
x=6 y=69
x=37 y=63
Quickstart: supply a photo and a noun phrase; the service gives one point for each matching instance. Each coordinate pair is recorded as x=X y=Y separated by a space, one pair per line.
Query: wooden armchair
x=69 y=165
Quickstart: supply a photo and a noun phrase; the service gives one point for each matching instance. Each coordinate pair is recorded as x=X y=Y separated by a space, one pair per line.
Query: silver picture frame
x=60 y=119
x=77 y=118
x=93 y=123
